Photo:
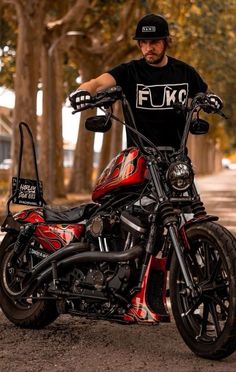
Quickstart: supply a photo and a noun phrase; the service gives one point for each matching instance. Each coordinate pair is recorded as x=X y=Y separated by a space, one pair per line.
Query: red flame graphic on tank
x=127 y=169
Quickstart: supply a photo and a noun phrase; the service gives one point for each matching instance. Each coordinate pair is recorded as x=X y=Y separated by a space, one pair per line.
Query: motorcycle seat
x=62 y=214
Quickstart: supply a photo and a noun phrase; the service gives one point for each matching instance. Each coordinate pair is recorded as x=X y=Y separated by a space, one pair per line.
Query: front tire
x=25 y=313
x=207 y=323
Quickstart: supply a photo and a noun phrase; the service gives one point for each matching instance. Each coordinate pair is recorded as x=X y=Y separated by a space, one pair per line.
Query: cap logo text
x=148 y=28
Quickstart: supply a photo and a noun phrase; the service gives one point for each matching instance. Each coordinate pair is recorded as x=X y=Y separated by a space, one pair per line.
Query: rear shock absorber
x=25 y=234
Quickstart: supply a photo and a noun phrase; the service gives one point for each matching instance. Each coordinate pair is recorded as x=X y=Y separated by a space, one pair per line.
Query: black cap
x=152 y=27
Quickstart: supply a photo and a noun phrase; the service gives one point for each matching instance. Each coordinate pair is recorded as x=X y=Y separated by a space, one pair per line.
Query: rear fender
x=32 y=215
x=51 y=236
x=12 y=223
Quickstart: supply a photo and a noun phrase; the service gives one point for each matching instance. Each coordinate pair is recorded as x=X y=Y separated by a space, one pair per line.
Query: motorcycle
x=144 y=236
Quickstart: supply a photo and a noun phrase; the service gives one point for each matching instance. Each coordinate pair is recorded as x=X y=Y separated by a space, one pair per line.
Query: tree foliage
x=203 y=35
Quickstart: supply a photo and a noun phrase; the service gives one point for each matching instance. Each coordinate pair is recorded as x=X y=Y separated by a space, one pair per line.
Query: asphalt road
x=73 y=344
x=218 y=192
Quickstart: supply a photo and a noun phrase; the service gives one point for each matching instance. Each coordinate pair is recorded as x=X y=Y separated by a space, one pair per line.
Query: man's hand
x=215 y=102
x=79 y=99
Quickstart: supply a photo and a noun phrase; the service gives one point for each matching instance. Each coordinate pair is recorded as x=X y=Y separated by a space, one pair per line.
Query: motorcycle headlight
x=180 y=176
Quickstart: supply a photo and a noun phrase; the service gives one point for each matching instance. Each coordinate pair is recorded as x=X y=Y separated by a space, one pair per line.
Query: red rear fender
x=33 y=215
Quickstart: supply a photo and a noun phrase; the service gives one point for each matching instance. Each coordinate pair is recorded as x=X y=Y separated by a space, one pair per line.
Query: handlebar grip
x=110 y=92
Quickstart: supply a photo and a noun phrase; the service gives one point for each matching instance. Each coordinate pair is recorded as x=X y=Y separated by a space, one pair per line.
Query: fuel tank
x=51 y=236
x=126 y=169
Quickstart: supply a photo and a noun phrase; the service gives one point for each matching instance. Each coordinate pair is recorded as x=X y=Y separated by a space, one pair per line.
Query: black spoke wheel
x=26 y=312
x=207 y=321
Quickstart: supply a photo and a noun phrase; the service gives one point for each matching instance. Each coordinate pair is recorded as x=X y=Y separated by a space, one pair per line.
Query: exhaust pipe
x=44 y=269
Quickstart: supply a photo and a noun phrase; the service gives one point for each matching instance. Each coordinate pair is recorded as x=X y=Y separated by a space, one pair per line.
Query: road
x=73 y=344
x=218 y=192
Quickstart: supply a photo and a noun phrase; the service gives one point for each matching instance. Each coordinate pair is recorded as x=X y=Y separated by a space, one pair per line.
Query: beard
x=153 y=58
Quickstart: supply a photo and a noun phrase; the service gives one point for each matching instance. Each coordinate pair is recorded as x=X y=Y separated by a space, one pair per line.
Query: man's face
x=153 y=50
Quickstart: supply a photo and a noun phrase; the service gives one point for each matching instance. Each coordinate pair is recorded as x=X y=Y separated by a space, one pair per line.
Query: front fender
x=183 y=229
x=202 y=218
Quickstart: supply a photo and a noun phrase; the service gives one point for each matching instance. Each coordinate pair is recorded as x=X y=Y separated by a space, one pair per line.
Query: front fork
x=170 y=222
x=179 y=250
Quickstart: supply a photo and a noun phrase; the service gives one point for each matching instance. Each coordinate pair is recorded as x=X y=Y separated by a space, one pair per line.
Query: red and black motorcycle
x=110 y=259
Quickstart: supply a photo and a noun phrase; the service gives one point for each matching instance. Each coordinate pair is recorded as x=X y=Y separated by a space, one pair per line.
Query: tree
x=197 y=27
x=96 y=56
x=30 y=18
x=55 y=33
x=8 y=27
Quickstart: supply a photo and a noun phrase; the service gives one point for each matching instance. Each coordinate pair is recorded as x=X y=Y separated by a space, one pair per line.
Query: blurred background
x=48 y=47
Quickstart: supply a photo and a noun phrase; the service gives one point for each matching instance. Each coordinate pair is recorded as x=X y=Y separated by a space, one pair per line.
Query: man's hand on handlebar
x=80 y=99
x=215 y=102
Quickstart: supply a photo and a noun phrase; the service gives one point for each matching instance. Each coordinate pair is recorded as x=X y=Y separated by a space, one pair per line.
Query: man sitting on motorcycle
x=151 y=84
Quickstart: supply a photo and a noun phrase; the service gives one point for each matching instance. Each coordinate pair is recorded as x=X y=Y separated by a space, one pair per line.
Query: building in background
x=5 y=133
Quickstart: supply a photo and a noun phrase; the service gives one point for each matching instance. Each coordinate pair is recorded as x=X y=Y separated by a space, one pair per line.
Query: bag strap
x=26 y=126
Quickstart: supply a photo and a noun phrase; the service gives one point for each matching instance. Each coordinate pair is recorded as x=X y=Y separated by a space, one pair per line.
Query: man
x=151 y=85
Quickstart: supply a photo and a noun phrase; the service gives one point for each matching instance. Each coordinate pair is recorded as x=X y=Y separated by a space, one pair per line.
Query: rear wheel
x=207 y=322
x=25 y=311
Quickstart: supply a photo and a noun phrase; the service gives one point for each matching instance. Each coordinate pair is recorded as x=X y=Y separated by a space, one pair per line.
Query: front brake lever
x=82 y=109
x=222 y=115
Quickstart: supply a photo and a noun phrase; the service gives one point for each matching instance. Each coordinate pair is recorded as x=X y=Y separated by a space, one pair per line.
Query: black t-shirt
x=151 y=92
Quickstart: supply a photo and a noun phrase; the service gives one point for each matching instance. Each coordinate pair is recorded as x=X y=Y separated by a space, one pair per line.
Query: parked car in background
x=228 y=164
x=6 y=164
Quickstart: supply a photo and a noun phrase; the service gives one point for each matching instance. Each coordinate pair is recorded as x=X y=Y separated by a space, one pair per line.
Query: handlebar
x=200 y=101
x=105 y=98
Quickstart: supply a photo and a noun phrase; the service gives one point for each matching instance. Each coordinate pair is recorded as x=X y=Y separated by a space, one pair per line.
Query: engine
x=100 y=288
x=106 y=225
x=109 y=232
x=97 y=288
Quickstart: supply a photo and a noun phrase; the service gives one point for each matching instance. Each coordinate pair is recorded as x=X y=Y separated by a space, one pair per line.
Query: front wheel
x=207 y=322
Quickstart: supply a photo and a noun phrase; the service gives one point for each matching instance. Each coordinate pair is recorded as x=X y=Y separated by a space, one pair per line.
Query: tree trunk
x=44 y=135
x=82 y=170
x=30 y=18
x=57 y=150
x=105 y=152
x=81 y=178
x=51 y=144
x=117 y=131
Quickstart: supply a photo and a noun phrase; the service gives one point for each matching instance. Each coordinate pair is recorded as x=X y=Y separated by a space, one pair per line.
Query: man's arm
x=100 y=83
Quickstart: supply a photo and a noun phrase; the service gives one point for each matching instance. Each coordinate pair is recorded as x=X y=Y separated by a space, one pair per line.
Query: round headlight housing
x=180 y=176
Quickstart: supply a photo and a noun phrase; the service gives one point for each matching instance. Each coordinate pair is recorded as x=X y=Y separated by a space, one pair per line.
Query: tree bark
x=44 y=134
x=105 y=152
x=30 y=20
x=117 y=132
x=57 y=150
x=112 y=140
x=82 y=170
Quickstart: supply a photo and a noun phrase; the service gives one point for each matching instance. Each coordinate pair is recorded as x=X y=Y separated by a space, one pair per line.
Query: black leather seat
x=62 y=214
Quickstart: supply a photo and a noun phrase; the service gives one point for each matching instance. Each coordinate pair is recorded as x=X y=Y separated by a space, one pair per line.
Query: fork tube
x=179 y=252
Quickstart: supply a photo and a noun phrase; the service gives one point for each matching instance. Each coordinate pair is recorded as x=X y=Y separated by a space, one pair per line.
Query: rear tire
x=207 y=323
x=24 y=313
